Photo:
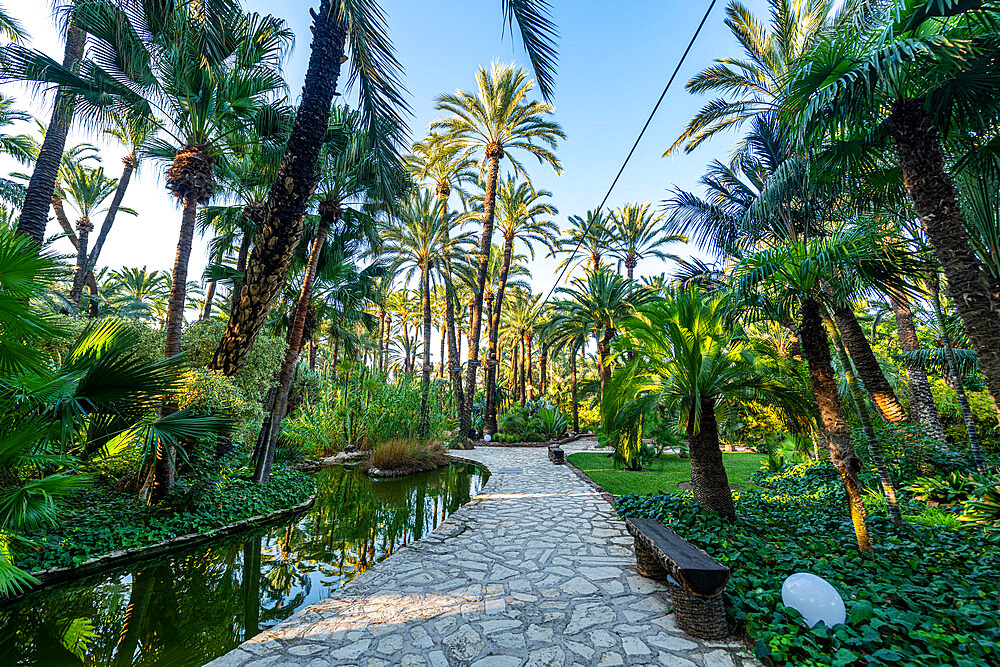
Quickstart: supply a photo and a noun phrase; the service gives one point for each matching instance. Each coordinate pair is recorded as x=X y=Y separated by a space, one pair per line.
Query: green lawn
x=663 y=475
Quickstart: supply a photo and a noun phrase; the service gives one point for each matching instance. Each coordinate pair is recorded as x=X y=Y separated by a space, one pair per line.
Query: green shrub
x=258 y=370
x=210 y=392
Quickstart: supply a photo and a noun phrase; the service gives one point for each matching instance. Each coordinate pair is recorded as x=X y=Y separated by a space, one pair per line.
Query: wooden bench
x=694 y=579
x=557 y=455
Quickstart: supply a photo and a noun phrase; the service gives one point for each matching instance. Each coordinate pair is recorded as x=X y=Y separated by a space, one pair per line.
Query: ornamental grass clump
x=400 y=457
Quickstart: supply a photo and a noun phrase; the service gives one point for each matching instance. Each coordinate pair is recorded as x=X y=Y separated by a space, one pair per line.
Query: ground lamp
x=814 y=598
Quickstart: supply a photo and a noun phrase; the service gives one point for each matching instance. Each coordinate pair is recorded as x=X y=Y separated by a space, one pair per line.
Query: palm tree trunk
x=869 y=371
x=209 y=298
x=425 y=375
x=963 y=400
x=922 y=404
x=289 y=197
x=874 y=446
x=492 y=362
x=603 y=350
x=531 y=367
x=109 y=217
x=494 y=153
x=513 y=371
x=572 y=376
x=709 y=480
x=329 y=213
x=816 y=350
x=378 y=338
x=543 y=357
x=80 y=274
x=520 y=389
x=178 y=289
x=61 y=217
x=489 y=377
x=38 y=196
x=935 y=201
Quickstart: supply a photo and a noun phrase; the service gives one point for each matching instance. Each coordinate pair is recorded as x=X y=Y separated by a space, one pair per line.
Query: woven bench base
x=699 y=617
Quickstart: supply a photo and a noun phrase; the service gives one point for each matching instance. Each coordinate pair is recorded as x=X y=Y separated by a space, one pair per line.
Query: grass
x=399 y=457
x=663 y=474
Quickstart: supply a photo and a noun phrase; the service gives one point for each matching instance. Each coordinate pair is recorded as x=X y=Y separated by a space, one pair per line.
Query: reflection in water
x=195 y=605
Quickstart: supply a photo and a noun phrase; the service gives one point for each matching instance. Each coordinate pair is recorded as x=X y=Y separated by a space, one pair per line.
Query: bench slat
x=694 y=569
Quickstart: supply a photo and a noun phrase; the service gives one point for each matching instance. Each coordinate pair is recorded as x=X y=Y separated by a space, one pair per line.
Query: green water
x=195 y=605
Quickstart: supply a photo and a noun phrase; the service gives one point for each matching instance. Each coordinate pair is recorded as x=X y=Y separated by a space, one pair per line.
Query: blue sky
x=614 y=61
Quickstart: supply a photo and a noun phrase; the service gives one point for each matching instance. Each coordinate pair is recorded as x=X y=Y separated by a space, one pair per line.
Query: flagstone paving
x=536 y=570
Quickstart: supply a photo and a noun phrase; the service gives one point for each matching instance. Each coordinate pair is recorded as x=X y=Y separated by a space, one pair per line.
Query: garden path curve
x=536 y=570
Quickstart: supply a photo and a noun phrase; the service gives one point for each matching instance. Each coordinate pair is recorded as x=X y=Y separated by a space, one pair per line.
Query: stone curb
x=57 y=575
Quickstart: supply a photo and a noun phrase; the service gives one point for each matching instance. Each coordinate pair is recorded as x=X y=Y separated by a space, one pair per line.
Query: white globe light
x=814 y=598
x=487 y=438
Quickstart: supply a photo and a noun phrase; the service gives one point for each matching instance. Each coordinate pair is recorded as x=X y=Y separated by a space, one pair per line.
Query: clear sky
x=614 y=60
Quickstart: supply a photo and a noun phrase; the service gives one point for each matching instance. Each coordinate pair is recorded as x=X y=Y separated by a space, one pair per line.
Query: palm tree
x=522 y=212
x=689 y=363
x=493 y=122
x=598 y=303
x=638 y=234
x=795 y=279
x=754 y=84
x=87 y=189
x=913 y=77
x=352 y=173
x=591 y=233
x=415 y=244
x=139 y=292
x=433 y=159
x=569 y=335
x=375 y=68
x=133 y=131
x=38 y=195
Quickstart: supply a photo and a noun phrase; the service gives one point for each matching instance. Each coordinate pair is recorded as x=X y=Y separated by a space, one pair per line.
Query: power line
x=632 y=151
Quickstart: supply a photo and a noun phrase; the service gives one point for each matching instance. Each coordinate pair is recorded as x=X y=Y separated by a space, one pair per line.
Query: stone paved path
x=536 y=570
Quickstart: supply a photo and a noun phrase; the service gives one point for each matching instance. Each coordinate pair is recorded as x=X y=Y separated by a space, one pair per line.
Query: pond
x=195 y=605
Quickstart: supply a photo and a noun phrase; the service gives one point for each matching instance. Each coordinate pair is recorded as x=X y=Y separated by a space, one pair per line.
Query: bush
x=948 y=490
x=262 y=363
x=210 y=392
x=927 y=595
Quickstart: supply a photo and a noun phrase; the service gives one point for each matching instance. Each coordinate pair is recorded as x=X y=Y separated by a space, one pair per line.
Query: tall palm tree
x=414 y=242
x=794 y=281
x=498 y=119
x=87 y=189
x=522 y=217
x=911 y=77
x=354 y=179
x=449 y=170
x=598 y=303
x=591 y=233
x=38 y=195
x=638 y=233
x=374 y=67
x=133 y=131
